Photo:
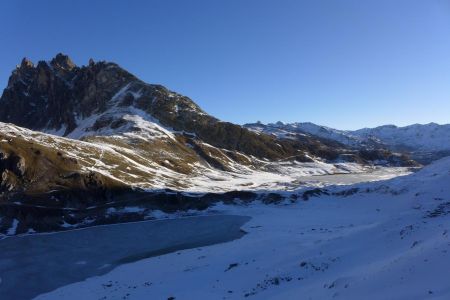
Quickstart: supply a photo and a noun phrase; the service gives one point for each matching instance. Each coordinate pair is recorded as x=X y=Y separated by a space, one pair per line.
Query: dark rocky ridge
x=52 y=94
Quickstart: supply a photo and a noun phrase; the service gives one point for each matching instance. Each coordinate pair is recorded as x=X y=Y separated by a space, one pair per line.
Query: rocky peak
x=26 y=64
x=62 y=61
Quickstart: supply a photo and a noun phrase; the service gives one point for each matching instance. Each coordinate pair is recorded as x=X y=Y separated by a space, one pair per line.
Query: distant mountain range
x=423 y=143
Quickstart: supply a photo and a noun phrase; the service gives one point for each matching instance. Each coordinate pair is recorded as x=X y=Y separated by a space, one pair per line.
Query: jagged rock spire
x=63 y=61
x=26 y=63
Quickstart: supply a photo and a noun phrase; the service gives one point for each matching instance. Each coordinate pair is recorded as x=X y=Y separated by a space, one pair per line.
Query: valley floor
x=382 y=240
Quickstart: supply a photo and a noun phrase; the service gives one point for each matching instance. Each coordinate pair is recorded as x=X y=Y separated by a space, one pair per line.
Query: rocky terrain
x=75 y=141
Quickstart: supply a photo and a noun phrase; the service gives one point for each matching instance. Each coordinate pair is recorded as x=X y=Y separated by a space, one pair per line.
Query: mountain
x=424 y=143
x=78 y=140
x=101 y=99
x=417 y=137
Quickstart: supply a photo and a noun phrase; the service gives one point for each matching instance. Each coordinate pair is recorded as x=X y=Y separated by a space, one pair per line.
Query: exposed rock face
x=62 y=62
x=12 y=170
x=54 y=94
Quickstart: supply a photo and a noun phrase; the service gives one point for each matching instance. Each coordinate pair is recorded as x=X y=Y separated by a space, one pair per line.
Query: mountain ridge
x=424 y=142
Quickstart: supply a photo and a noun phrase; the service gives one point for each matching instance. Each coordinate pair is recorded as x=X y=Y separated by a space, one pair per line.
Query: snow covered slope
x=383 y=240
x=134 y=158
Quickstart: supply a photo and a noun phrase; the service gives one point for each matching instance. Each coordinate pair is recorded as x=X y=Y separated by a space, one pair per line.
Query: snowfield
x=379 y=240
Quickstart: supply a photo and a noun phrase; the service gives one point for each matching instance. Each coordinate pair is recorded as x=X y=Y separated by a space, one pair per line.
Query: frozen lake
x=35 y=264
x=351 y=178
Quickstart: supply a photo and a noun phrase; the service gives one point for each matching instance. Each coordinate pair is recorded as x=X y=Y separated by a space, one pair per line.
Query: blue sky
x=345 y=64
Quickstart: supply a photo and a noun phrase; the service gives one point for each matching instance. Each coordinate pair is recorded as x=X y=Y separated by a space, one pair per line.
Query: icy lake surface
x=351 y=178
x=35 y=264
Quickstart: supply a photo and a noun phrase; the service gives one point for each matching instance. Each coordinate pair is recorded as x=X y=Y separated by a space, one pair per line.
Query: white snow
x=390 y=240
x=59 y=132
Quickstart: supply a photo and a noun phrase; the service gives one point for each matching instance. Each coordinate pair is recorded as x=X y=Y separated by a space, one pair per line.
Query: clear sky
x=345 y=64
